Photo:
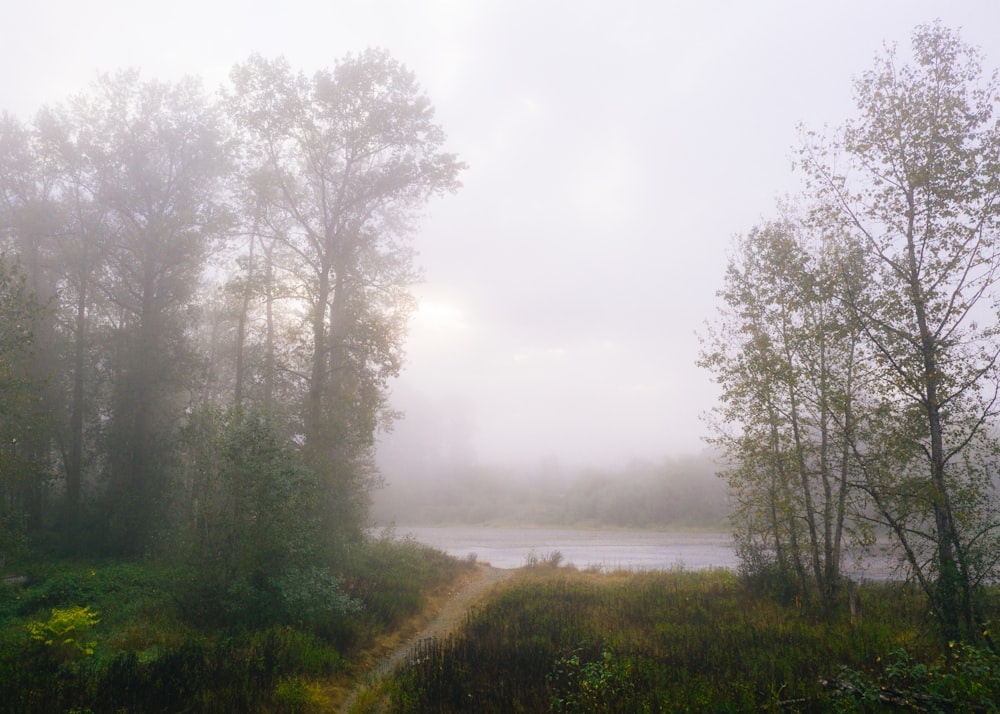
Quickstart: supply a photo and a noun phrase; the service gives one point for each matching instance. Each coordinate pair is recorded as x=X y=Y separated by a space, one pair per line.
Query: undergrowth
x=117 y=636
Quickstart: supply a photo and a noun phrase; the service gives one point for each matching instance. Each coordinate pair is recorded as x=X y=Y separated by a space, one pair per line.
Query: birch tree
x=915 y=180
x=786 y=362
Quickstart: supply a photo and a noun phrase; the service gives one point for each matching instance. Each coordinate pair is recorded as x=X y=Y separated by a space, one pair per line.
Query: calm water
x=646 y=550
x=608 y=550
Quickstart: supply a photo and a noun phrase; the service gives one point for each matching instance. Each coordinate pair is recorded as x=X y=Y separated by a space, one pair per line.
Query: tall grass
x=563 y=641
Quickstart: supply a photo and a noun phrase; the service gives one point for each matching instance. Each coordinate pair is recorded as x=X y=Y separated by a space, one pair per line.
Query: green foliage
x=295 y=694
x=136 y=600
x=118 y=202
x=65 y=632
x=855 y=350
x=256 y=547
x=579 y=684
x=785 y=356
x=761 y=572
x=116 y=199
x=911 y=181
x=231 y=675
x=342 y=245
x=964 y=678
x=146 y=659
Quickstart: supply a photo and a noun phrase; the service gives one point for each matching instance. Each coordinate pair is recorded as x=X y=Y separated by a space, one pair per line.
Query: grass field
x=557 y=640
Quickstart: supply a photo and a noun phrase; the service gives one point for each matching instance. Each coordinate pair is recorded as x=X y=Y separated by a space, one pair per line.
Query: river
x=603 y=549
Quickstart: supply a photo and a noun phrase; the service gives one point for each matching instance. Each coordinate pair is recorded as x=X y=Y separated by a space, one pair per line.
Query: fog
x=613 y=151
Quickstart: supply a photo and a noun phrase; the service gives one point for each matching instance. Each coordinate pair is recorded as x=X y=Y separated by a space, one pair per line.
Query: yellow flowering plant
x=66 y=631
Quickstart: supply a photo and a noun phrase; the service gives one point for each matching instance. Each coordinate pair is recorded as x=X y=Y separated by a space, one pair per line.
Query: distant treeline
x=682 y=493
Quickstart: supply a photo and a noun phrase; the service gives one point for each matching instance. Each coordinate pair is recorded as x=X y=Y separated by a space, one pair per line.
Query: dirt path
x=452 y=609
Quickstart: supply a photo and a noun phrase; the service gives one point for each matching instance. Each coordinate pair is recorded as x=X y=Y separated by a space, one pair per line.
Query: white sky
x=614 y=150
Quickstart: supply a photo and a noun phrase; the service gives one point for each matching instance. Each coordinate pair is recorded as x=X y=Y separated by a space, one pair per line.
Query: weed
x=551 y=560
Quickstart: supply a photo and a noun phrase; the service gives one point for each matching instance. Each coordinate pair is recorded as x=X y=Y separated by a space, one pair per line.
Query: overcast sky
x=614 y=150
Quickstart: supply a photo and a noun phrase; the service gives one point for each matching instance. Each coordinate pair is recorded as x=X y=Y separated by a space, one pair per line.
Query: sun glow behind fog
x=438 y=317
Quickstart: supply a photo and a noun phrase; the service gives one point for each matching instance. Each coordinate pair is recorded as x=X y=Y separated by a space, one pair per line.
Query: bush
x=581 y=683
x=257 y=551
x=65 y=632
x=965 y=678
x=762 y=574
x=262 y=671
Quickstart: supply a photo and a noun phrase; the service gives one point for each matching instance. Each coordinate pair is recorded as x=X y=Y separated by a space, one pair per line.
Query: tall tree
x=915 y=179
x=156 y=153
x=31 y=216
x=77 y=248
x=786 y=361
x=22 y=473
x=343 y=161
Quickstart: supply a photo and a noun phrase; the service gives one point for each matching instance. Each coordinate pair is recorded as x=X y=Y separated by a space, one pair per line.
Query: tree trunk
x=949 y=581
x=74 y=462
x=241 y=325
x=318 y=372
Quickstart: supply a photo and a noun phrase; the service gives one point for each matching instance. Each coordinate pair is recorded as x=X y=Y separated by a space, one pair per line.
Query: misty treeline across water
x=674 y=493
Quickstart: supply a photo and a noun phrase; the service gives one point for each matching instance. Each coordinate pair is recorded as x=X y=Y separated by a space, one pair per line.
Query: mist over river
x=604 y=549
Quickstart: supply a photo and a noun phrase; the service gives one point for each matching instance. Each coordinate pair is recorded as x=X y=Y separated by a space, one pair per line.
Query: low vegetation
x=558 y=640
x=120 y=636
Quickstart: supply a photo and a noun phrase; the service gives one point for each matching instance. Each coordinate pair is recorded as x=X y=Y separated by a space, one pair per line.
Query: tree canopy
x=874 y=332
x=244 y=255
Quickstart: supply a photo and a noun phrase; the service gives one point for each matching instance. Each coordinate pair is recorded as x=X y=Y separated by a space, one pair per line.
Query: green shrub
x=257 y=552
x=147 y=660
x=294 y=695
x=65 y=632
x=599 y=682
x=965 y=678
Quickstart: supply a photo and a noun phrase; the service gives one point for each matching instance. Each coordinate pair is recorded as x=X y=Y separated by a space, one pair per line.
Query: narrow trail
x=452 y=613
